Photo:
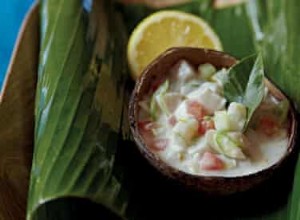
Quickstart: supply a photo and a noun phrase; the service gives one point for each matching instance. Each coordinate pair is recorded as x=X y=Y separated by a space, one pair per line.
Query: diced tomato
x=210 y=161
x=158 y=144
x=195 y=109
x=172 y=120
x=268 y=125
x=205 y=125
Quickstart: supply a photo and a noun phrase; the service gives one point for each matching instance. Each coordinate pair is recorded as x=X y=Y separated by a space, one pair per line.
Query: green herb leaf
x=245 y=84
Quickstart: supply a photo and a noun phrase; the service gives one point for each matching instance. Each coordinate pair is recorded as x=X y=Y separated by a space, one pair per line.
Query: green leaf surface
x=79 y=108
x=245 y=84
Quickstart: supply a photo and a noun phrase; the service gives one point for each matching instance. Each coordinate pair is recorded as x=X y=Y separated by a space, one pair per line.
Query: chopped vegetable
x=204 y=126
x=238 y=138
x=227 y=146
x=157 y=100
x=238 y=115
x=186 y=129
x=232 y=120
x=222 y=121
x=223 y=144
x=211 y=101
x=206 y=71
x=210 y=161
x=195 y=109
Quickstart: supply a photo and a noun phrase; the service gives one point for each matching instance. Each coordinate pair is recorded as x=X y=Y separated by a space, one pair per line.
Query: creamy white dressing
x=222 y=150
x=264 y=154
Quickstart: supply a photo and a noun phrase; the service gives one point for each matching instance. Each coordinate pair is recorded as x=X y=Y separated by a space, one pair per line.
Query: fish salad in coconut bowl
x=208 y=121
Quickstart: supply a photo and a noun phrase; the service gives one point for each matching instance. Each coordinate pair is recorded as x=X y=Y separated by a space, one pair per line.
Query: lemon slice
x=163 y=30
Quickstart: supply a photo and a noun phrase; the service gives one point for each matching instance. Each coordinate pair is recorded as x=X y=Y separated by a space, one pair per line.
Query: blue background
x=12 y=13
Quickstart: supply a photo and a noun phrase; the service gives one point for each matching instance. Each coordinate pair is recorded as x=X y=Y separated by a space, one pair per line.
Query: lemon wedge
x=163 y=30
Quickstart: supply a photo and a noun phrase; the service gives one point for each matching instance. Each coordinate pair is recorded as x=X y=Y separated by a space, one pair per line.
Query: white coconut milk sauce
x=192 y=127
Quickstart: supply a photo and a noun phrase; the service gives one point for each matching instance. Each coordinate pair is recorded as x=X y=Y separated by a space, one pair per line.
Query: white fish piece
x=185 y=71
x=186 y=129
x=210 y=100
x=172 y=101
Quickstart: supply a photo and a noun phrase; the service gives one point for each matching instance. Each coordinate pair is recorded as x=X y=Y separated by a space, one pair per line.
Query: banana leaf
x=79 y=112
x=86 y=167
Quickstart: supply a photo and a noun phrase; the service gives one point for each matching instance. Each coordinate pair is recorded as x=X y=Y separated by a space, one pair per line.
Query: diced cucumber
x=224 y=145
x=206 y=71
x=238 y=115
x=222 y=121
x=157 y=100
x=237 y=138
x=228 y=147
x=162 y=104
x=232 y=120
